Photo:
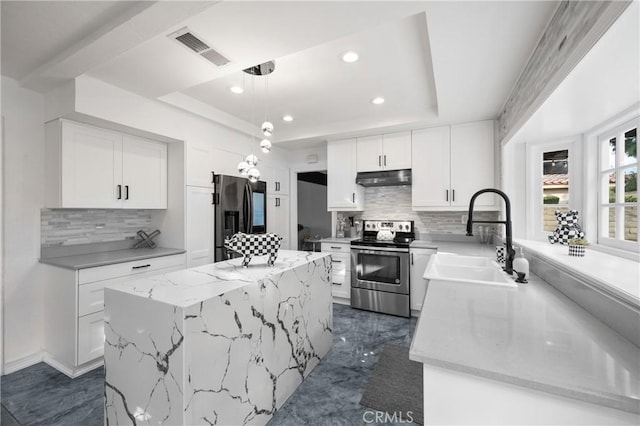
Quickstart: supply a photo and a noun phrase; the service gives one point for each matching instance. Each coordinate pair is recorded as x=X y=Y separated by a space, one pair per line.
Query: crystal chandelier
x=249 y=166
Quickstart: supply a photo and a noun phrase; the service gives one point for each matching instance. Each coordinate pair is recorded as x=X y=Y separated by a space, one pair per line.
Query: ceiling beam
x=140 y=23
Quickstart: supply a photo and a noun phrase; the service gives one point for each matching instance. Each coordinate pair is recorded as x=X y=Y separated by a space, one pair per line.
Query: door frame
x=320 y=166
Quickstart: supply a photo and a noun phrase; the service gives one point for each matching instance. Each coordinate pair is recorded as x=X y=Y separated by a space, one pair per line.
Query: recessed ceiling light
x=236 y=89
x=377 y=101
x=287 y=118
x=350 y=57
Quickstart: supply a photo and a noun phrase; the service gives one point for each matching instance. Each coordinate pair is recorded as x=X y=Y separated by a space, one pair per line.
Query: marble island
x=520 y=355
x=217 y=344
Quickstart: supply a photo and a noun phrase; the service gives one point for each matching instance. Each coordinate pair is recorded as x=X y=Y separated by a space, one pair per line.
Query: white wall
x=23 y=170
x=312 y=211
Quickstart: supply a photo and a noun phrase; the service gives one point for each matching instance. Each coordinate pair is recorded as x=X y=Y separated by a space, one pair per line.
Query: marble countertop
x=190 y=286
x=532 y=336
x=90 y=260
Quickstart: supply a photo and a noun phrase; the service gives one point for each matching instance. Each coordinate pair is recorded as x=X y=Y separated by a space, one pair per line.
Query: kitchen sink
x=467 y=269
x=457 y=260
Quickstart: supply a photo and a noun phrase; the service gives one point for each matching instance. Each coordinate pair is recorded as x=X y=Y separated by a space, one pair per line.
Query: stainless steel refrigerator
x=240 y=206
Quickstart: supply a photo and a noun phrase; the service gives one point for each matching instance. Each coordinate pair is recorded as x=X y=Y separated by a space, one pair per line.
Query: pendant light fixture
x=249 y=166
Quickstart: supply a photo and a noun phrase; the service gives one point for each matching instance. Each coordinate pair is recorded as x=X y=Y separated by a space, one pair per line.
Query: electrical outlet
x=463 y=219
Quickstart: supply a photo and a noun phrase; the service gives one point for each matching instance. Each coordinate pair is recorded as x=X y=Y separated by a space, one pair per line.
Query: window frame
x=602 y=198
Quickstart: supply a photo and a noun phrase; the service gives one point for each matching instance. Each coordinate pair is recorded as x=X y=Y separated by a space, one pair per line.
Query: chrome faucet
x=511 y=253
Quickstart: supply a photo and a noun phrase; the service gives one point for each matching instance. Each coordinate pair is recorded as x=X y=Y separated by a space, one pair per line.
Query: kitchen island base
x=228 y=358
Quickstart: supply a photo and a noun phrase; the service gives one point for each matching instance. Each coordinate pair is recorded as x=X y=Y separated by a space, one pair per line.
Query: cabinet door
x=144 y=174
x=472 y=153
x=369 y=154
x=200 y=165
x=396 y=151
x=342 y=191
x=419 y=259
x=90 y=337
x=341 y=275
x=226 y=163
x=91 y=169
x=277 y=179
x=278 y=218
x=200 y=221
x=430 y=172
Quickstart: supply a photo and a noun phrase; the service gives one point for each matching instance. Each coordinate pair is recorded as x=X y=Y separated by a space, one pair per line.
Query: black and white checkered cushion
x=250 y=245
x=568 y=227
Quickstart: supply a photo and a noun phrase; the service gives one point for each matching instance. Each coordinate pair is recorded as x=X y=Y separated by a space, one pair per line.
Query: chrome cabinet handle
x=353 y=196
x=336 y=261
x=337 y=248
x=446 y=196
x=385 y=160
x=126 y=192
x=213 y=177
x=453 y=195
x=379 y=160
x=119 y=187
x=412 y=258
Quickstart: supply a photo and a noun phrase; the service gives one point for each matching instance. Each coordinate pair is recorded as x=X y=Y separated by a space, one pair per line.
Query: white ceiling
x=433 y=62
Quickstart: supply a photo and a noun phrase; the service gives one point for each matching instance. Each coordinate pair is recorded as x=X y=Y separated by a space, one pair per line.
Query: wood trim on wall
x=573 y=30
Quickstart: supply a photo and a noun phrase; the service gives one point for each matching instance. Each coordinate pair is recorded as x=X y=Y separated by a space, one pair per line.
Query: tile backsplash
x=82 y=226
x=394 y=202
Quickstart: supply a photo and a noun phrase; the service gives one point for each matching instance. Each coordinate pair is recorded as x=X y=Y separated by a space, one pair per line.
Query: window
x=553 y=183
x=555 y=186
x=618 y=187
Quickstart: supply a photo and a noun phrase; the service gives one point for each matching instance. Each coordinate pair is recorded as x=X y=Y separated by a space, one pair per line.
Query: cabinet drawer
x=341 y=268
x=90 y=337
x=91 y=295
x=335 y=247
x=125 y=269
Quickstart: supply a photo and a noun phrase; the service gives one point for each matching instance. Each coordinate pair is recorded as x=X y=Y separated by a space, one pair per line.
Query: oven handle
x=380 y=250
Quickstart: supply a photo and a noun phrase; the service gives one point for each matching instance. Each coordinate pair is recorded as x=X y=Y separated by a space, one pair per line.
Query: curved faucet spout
x=511 y=253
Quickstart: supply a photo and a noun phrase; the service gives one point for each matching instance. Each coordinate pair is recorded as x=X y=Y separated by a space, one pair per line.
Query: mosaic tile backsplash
x=394 y=202
x=82 y=226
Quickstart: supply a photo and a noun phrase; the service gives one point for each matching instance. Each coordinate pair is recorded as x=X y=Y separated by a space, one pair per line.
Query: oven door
x=380 y=269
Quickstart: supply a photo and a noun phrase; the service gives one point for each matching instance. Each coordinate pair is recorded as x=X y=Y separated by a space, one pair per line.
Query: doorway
x=314 y=221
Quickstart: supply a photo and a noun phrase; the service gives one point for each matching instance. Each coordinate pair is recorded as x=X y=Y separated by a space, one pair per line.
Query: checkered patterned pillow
x=250 y=245
x=567 y=228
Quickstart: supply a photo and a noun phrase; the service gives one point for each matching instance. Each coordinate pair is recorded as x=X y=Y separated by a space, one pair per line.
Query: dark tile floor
x=39 y=395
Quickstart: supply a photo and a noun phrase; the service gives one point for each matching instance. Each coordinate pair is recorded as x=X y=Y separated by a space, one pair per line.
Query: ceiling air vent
x=194 y=43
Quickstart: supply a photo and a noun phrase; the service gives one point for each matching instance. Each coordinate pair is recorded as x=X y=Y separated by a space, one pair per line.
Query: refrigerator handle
x=250 y=216
x=245 y=209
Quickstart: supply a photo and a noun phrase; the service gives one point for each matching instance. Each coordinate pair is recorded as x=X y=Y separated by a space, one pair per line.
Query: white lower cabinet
x=419 y=258
x=341 y=268
x=73 y=312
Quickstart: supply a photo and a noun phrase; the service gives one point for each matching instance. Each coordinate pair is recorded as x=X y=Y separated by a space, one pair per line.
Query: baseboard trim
x=24 y=362
x=72 y=372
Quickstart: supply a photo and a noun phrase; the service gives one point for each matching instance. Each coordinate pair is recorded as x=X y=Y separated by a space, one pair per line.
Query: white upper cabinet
x=278 y=218
x=89 y=167
x=144 y=174
x=91 y=171
x=203 y=161
x=384 y=152
x=451 y=164
x=472 y=164
x=342 y=191
x=277 y=179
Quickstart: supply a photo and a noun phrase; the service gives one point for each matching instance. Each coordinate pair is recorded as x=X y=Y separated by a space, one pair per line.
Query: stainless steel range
x=380 y=267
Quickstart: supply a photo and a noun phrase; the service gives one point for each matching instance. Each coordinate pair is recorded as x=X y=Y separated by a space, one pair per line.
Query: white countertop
x=91 y=260
x=336 y=240
x=532 y=336
x=610 y=273
x=190 y=286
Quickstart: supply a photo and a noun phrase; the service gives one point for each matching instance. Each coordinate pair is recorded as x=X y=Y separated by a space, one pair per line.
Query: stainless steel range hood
x=384 y=178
